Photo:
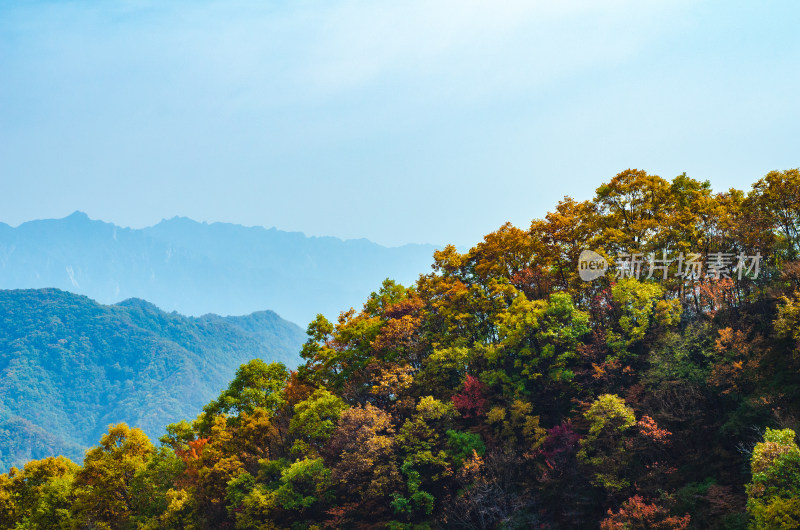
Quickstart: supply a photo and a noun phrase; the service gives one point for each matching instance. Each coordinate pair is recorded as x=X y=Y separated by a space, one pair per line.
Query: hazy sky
x=405 y=121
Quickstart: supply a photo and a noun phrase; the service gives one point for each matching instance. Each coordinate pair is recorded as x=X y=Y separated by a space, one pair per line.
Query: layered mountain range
x=196 y=268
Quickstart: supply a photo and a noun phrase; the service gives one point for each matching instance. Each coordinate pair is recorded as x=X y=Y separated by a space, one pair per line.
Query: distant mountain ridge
x=70 y=366
x=196 y=268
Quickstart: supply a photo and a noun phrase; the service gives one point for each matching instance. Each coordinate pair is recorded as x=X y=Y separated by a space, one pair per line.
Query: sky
x=401 y=122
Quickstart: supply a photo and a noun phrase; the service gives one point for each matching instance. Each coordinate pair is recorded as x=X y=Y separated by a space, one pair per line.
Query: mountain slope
x=197 y=268
x=70 y=366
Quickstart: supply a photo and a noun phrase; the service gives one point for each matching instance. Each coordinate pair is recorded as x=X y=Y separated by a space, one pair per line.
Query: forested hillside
x=70 y=367
x=501 y=390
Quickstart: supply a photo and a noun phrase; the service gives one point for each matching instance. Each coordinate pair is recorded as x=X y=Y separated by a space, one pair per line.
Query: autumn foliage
x=501 y=391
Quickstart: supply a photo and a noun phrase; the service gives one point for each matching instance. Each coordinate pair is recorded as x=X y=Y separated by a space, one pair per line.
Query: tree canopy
x=503 y=391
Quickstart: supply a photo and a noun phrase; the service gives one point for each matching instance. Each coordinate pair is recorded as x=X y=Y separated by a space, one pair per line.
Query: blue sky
x=415 y=121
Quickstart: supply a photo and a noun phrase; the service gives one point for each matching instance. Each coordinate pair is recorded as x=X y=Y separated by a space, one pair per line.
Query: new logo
x=591 y=265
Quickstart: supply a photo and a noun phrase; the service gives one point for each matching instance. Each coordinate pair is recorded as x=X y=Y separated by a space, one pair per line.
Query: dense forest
x=70 y=366
x=503 y=391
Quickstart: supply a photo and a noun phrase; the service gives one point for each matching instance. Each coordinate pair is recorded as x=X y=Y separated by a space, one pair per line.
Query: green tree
x=39 y=496
x=637 y=305
x=774 y=490
x=314 y=420
x=151 y=485
x=603 y=449
x=537 y=343
x=426 y=463
x=257 y=384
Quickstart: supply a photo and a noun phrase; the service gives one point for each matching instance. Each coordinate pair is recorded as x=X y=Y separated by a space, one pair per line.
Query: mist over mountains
x=196 y=268
x=92 y=325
